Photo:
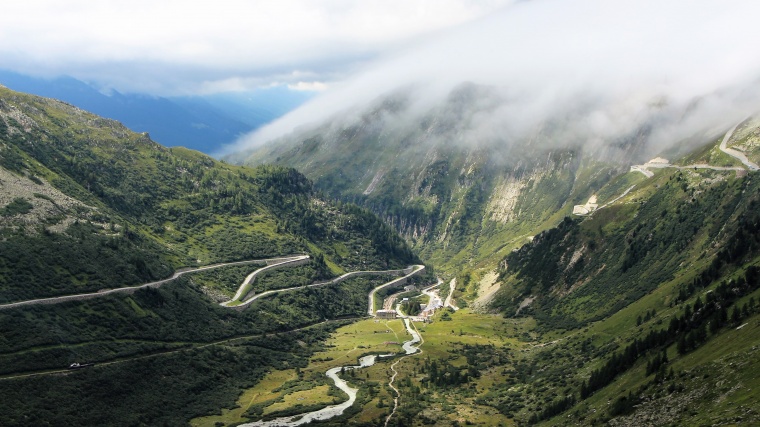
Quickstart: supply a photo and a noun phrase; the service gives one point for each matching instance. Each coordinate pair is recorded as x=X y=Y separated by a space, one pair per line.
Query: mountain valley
x=640 y=308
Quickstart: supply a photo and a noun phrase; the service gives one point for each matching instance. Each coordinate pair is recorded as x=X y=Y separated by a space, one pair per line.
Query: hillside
x=87 y=205
x=462 y=196
x=650 y=302
x=644 y=312
x=641 y=308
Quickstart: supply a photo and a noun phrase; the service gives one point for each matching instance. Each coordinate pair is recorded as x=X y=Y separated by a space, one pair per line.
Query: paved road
x=332 y=281
x=388 y=303
x=245 y=287
x=723 y=147
x=736 y=153
x=130 y=289
x=415 y=269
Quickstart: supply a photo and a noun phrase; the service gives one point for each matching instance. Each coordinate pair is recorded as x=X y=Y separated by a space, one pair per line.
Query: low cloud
x=596 y=70
x=308 y=86
x=172 y=47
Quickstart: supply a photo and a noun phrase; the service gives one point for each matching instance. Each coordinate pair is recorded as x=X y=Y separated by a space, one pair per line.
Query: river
x=336 y=410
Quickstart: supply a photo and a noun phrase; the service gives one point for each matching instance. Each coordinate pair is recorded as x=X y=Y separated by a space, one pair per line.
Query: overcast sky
x=627 y=62
x=169 y=47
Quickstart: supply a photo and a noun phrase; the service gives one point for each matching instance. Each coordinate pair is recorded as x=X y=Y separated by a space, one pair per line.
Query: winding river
x=331 y=411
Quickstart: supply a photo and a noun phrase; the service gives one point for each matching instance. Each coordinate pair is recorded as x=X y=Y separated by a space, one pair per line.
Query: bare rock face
x=47 y=208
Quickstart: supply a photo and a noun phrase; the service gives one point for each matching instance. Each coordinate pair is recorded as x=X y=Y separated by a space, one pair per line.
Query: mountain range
x=584 y=284
x=201 y=122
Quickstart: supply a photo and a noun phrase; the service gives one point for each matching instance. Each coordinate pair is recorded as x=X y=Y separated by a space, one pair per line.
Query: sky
x=172 y=47
x=606 y=67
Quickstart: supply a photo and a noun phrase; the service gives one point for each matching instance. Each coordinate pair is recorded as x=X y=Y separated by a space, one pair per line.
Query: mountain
x=629 y=288
x=88 y=205
x=203 y=123
x=461 y=196
x=658 y=294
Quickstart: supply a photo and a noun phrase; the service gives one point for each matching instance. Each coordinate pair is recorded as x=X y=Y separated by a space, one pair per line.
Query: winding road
x=409 y=346
x=243 y=290
x=245 y=287
x=272 y=263
x=738 y=155
x=644 y=169
x=158 y=283
x=410 y=272
x=413 y=270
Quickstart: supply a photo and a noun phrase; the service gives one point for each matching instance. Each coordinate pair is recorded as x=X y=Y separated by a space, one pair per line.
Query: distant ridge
x=203 y=123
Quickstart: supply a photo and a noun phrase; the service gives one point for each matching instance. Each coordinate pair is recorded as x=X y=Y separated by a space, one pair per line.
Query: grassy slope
x=664 y=228
x=631 y=260
x=141 y=210
x=180 y=207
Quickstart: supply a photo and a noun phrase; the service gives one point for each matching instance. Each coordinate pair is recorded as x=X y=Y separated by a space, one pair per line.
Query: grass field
x=308 y=386
x=280 y=390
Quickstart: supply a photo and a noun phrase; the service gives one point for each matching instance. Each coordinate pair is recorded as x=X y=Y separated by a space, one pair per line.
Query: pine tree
x=681 y=346
x=736 y=315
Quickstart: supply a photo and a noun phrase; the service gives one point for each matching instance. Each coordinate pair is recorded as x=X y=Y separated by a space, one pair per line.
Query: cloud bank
x=174 y=47
x=601 y=68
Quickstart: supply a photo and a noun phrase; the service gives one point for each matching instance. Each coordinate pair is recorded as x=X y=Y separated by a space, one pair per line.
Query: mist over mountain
x=591 y=71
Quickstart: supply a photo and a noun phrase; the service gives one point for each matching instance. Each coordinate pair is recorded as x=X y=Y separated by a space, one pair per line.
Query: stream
x=336 y=410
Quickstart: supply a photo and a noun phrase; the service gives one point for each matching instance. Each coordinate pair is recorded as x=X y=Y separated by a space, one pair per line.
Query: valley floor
x=447 y=344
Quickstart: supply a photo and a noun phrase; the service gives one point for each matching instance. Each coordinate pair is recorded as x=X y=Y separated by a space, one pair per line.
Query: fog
x=600 y=69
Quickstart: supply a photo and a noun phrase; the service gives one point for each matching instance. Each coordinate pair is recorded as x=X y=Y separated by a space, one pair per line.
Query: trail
x=168 y=352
